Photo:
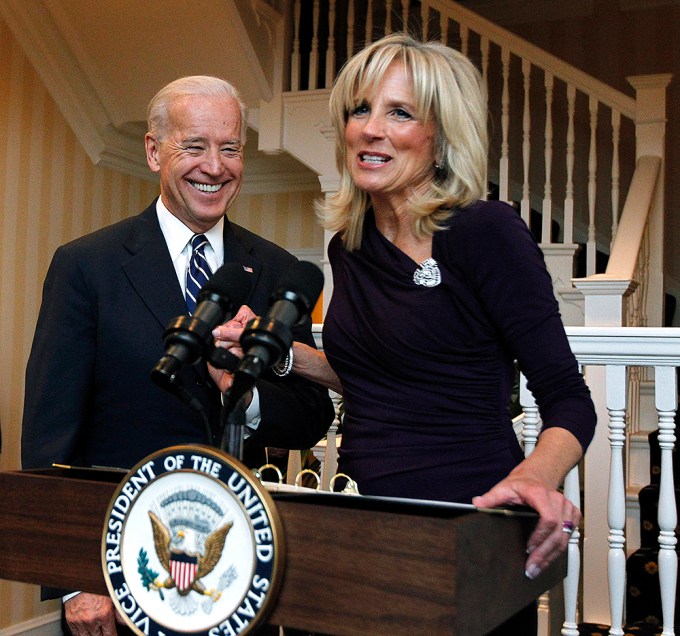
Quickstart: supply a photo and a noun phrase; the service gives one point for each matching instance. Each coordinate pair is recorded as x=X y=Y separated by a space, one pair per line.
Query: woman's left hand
x=534 y=483
x=558 y=518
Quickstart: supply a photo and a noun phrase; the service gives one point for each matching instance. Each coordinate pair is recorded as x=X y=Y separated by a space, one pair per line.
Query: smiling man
x=108 y=296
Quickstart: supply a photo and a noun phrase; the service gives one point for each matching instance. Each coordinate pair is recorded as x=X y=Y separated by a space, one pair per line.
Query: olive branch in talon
x=148 y=576
x=227 y=578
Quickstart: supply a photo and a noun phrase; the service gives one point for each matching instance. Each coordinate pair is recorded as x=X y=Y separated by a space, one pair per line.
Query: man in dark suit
x=108 y=297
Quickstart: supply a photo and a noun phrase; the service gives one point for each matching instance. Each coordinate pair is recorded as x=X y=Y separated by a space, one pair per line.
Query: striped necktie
x=198 y=272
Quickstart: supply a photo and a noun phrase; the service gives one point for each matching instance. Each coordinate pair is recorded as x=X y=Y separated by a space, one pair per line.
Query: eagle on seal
x=200 y=562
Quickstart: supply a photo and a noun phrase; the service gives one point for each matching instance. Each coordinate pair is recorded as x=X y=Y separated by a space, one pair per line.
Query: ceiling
x=102 y=61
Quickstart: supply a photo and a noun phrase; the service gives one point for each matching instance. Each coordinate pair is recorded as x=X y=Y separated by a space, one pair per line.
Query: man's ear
x=152 y=151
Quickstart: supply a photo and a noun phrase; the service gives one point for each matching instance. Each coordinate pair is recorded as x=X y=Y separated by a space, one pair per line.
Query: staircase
x=560 y=138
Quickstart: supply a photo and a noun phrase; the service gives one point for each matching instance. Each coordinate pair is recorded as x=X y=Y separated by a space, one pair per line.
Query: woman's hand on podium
x=92 y=615
x=534 y=483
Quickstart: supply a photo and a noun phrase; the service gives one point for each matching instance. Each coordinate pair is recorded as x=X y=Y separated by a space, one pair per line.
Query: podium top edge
x=395 y=504
x=108 y=475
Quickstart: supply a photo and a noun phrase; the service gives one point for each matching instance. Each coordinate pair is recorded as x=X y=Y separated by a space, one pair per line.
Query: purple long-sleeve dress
x=427 y=372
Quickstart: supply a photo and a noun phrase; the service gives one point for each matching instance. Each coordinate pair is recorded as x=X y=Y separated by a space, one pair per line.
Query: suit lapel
x=152 y=274
x=150 y=270
x=238 y=250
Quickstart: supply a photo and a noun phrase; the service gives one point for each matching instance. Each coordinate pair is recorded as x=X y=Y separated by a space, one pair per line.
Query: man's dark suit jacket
x=106 y=301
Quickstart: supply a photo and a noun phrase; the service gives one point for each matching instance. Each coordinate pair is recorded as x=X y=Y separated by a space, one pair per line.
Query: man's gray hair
x=205 y=85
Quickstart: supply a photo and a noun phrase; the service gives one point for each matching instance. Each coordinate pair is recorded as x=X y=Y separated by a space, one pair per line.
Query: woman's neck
x=396 y=225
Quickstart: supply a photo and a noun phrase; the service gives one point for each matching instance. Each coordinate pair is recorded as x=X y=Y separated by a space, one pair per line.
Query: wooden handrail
x=628 y=240
x=538 y=57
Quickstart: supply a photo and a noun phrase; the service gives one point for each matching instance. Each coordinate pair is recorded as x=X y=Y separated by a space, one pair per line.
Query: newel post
x=650 y=135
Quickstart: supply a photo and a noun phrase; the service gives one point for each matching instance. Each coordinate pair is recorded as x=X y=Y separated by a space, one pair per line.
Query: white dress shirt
x=178 y=238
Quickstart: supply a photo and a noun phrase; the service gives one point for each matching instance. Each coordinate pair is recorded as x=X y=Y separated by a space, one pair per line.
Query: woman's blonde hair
x=448 y=88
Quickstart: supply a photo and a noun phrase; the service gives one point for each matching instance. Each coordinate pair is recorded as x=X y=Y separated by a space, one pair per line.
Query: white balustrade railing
x=519 y=103
x=617 y=350
x=614 y=350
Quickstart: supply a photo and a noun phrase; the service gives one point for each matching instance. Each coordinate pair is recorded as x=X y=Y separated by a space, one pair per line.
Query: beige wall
x=287 y=218
x=50 y=193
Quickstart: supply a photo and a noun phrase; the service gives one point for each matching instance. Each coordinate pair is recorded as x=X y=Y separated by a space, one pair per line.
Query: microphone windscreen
x=230 y=281
x=304 y=280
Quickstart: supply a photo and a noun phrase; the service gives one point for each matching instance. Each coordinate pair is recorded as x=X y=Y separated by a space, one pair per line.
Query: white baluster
x=666 y=401
x=548 y=153
x=569 y=190
x=443 y=28
x=350 y=28
x=616 y=134
x=530 y=431
x=504 y=165
x=592 y=188
x=464 y=39
x=616 y=506
x=314 y=55
x=295 y=55
x=484 y=49
x=405 y=6
x=572 y=492
x=424 y=20
x=526 y=142
x=532 y=419
x=330 y=51
x=294 y=466
x=645 y=265
x=368 y=37
x=330 y=460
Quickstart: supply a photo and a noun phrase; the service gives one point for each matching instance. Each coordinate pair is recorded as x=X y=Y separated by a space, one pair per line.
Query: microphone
x=187 y=338
x=265 y=340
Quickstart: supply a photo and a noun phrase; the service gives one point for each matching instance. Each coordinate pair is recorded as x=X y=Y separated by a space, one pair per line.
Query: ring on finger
x=567 y=526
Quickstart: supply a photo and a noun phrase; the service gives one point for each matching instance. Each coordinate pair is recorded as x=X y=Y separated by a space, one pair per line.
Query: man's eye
x=232 y=151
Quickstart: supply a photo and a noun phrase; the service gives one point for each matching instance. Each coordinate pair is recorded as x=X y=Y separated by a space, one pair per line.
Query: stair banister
x=626 y=246
x=540 y=58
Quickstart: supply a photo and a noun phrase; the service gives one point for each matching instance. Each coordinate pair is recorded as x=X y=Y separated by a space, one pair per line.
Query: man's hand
x=228 y=336
x=92 y=615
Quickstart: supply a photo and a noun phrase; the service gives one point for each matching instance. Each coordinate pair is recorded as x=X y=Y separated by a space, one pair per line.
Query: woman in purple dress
x=436 y=294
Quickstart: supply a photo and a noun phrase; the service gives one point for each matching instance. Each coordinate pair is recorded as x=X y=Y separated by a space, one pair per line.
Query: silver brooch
x=428 y=274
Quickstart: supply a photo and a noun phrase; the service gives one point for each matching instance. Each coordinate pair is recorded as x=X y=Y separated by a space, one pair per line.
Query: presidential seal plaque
x=192 y=544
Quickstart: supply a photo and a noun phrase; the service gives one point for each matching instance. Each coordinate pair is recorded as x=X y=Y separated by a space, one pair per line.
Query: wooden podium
x=354 y=565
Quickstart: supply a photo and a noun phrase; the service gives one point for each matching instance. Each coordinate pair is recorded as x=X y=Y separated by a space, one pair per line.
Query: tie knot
x=198 y=242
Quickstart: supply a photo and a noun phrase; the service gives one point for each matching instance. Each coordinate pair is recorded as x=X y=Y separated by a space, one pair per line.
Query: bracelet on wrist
x=285 y=366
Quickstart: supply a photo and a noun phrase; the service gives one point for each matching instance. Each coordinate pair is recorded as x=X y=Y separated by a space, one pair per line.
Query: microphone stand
x=233 y=425
x=230 y=435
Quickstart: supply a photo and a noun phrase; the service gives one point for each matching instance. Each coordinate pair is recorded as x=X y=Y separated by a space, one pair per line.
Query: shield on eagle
x=183 y=570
